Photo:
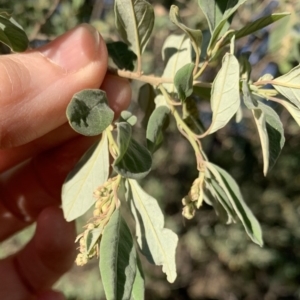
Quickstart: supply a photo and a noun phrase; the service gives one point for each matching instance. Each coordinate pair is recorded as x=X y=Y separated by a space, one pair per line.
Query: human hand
x=38 y=149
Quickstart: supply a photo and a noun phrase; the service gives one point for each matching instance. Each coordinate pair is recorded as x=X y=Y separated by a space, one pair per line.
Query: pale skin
x=38 y=149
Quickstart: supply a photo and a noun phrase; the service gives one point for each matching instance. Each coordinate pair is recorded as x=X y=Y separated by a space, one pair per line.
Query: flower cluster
x=193 y=199
x=106 y=203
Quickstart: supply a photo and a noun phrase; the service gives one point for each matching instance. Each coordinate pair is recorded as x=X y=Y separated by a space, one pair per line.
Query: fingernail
x=75 y=49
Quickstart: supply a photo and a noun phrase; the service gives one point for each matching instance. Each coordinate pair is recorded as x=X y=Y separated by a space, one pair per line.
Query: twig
x=274 y=82
x=150 y=78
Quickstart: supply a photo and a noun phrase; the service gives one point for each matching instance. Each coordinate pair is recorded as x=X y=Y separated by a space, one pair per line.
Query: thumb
x=37 y=85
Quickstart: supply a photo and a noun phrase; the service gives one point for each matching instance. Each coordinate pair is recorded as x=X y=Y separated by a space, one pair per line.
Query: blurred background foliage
x=215 y=260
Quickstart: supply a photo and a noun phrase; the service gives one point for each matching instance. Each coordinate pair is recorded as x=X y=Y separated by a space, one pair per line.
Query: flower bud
x=189 y=211
x=81 y=259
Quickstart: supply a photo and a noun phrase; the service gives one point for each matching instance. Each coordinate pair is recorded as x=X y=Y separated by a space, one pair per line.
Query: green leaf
x=232 y=6
x=134 y=21
x=190 y=115
x=12 y=35
x=225 y=98
x=194 y=35
x=211 y=197
x=121 y=55
x=274 y=140
x=90 y=172
x=217 y=195
x=292 y=109
x=134 y=160
x=278 y=34
x=183 y=81
x=117 y=259
x=213 y=11
x=171 y=45
x=250 y=101
x=88 y=112
x=232 y=191
x=259 y=24
x=178 y=57
x=289 y=85
x=146 y=102
x=92 y=238
x=219 y=14
x=245 y=66
x=156 y=125
x=269 y=127
x=138 y=289
x=157 y=243
x=203 y=92
x=160 y=100
x=127 y=116
x=254 y=26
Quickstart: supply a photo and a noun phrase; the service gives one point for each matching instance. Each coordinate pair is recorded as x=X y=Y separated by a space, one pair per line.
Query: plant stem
x=185 y=130
x=139 y=66
x=196 y=65
x=156 y=81
x=114 y=149
x=274 y=82
x=201 y=70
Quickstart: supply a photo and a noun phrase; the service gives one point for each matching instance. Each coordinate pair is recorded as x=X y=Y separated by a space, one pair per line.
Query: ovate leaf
x=117 y=259
x=292 y=109
x=184 y=81
x=127 y=116
x=202 y=92
x=138 y=289
x=213 y=11
x=245 y=66
x=261 y=124
x=157 y=243
x=88 y=112
x=232 y=191
x=213 y=200
x=269 y=127
x=225 y=98
x=194 y=35
x=171 y=46
x=134 y=160
x=223 y=25
x=180 y=56
x=92 y=237
x=12 y=35
x=259 y=24
x=156 y=124
x=90 y=172
x=289 y=85
x=255 y=26
x=121 y=55
x=146 y=102
x=272 y=136
x=160 y=100
x=134 y=21
x=191 y=115
x=217 y=195
x=219 y=14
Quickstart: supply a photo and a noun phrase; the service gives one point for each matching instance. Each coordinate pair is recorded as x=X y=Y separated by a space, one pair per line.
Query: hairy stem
x=114 y=149
x=185 y=130
x=151 y=79
x=279 y=83
x=202 y=69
